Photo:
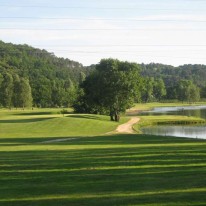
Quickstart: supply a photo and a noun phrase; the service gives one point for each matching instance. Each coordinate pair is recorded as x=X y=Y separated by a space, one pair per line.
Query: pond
x=178 y=131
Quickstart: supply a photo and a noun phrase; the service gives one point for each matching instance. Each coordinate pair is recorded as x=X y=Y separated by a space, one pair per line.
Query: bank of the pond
x=167 y=120
x=149 y=106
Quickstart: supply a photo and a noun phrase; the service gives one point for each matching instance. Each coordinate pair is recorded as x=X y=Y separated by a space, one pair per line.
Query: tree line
x=15 y=91
x=173 y=76
x=34 y=77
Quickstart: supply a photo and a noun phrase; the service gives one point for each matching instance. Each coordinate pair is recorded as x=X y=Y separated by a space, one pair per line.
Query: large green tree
x=111 y=89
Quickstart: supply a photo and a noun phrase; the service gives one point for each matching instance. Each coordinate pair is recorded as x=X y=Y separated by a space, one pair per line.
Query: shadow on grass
x=123 y=139
x=40 y=113
x=113 y=200
x=85 y=117
x=104 y=176
x=34 y=113
x=25 y=120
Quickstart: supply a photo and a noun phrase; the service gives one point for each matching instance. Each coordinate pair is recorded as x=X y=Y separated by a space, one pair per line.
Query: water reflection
x=178 y=131
x=197 y=111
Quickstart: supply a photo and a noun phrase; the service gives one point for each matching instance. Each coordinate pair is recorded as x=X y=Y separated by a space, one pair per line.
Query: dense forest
x=173 y=76
x=34 y=77
x=52 y=80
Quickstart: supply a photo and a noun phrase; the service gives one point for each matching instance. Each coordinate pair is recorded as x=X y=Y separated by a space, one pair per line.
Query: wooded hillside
x=35 y=77
x=52 y=80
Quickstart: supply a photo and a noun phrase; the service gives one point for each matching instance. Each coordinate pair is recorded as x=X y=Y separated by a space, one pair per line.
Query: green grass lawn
x=105 y=170
x=49 y=123
x=92 y=169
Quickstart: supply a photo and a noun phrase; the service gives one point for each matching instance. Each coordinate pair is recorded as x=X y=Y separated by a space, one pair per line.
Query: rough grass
x=50 y=123
x=105 y=170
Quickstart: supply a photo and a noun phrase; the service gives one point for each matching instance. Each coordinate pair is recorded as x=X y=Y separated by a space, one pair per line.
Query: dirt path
x=127 y=127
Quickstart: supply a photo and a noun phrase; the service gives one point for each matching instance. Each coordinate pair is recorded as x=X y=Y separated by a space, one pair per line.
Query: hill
x=49 y=77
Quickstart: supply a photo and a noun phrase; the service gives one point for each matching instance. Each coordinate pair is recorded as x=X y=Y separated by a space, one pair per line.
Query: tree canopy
x=111 y=88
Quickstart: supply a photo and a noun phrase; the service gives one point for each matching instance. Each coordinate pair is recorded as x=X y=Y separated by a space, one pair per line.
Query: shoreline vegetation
x=167 y=120
x=139 y=107
x=163 y=119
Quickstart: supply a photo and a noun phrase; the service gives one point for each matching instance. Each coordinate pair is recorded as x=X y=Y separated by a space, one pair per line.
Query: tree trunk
x=111 y=117
x=117 y=117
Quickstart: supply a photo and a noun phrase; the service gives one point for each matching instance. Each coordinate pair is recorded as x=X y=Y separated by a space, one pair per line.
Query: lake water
x=178 y=131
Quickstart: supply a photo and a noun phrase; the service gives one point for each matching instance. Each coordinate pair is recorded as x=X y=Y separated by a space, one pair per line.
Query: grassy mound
x=50 y=123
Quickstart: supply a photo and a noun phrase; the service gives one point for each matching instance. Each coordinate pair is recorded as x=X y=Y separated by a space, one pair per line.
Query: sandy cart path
x=127 y=127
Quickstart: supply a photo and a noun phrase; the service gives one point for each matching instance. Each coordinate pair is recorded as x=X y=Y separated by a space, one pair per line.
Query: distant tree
x=194 y=93
x=159 y=89
x=1 y=79
x=7 y=90
x=42 y=93
x=1 y=97
x=70 y=93
x=183 y=90
x=187 y=91
x=171 y=92
x=16 y=91
x=25 y=95
x=203 y=92
x=147 y=88
x=82 y=77
x=57 y=95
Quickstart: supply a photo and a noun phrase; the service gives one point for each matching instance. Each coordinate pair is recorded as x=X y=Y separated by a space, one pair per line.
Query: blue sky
x=162 y=31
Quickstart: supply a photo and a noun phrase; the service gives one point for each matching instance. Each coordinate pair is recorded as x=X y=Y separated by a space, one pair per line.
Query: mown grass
x=50 y=123
x=101 y=170
x=105 y=170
